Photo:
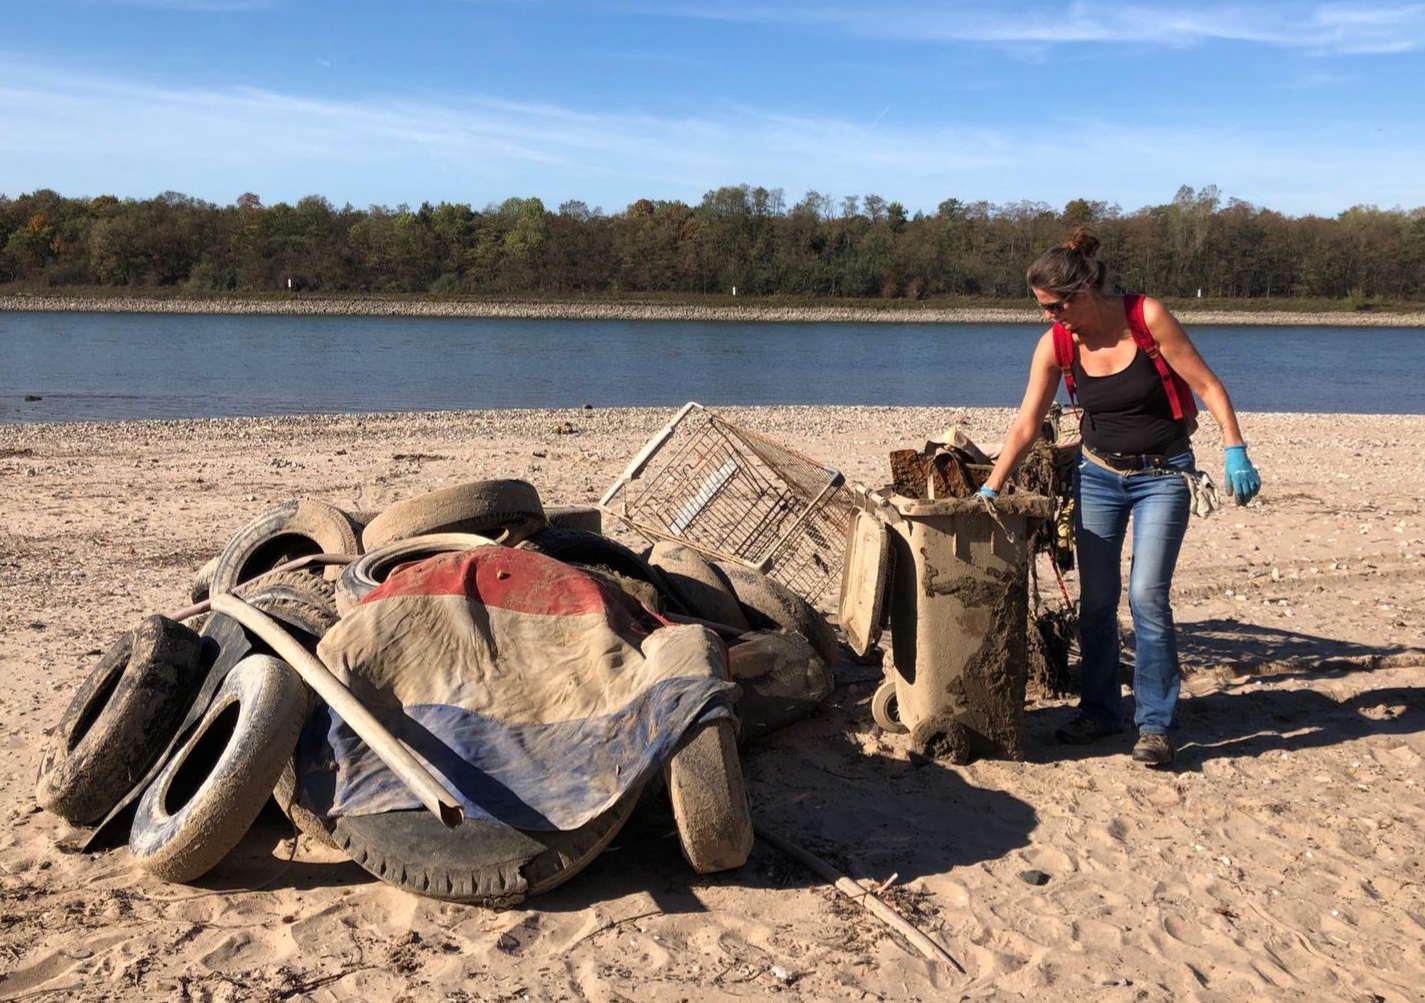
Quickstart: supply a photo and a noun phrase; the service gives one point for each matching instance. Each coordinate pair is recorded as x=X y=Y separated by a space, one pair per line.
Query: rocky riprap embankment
x=376 y=307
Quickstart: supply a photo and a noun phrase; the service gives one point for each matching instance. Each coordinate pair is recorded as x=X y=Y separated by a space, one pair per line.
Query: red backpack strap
x=1064 y=356
x=1179 y=393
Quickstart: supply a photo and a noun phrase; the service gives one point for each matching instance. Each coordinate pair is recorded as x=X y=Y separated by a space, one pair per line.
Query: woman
x=1135 y=461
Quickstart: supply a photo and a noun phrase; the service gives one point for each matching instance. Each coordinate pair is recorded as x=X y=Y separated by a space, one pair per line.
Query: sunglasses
x=1056 y=307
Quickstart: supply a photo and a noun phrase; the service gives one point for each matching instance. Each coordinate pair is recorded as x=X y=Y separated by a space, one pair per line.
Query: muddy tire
x=645 y=594
x=487 y=508
x=225 y=643
x=579 y=547
x=770 y=605
x=296 y=599
x=360 y=577
x=295 y=587
x=360 y=520
x=479 y=861
x=202 y=585
x=297 y=528
x=207 y=795
x=120 y=720
x=709 y=799
x=782 y=680
x=704 y=588
x=589 y=518
x=306 y=821
x=309 y=601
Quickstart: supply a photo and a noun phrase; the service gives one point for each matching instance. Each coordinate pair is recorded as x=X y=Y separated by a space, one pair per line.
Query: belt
x=1130 y=462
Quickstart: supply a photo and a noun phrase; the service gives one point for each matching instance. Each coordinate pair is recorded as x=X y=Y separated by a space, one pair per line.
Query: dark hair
x=1069 y=267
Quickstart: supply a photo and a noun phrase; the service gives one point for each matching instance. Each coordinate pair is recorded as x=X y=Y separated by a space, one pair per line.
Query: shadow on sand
x=871 y=814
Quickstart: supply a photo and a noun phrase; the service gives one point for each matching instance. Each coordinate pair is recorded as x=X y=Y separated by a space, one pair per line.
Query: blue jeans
x=1159 y=505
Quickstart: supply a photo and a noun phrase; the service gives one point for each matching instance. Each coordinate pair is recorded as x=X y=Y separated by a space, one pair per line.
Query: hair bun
x=1083 y=241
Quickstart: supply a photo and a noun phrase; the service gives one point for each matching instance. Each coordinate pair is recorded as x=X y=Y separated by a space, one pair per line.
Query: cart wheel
x=885 y=711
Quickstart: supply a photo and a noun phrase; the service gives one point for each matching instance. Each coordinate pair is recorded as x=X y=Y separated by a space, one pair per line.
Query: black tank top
x=1127 y=412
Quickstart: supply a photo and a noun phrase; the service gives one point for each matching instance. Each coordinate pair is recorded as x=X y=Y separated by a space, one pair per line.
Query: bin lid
x=863 y=582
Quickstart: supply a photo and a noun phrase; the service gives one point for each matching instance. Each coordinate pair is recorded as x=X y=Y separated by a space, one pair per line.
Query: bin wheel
x=886 y=711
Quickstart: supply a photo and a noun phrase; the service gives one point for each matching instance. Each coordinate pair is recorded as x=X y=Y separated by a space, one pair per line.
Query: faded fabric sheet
x=537 y=693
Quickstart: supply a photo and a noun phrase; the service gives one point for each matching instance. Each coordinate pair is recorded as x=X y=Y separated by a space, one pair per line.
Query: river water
x=105 y=367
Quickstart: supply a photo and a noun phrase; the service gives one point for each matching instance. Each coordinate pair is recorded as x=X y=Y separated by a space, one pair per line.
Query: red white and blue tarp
x=538 y=694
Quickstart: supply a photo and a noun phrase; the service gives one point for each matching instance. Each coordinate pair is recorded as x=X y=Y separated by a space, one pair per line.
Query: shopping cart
x=735 y=494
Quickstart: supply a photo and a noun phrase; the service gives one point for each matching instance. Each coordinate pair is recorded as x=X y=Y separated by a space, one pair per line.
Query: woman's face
x=1064 y=308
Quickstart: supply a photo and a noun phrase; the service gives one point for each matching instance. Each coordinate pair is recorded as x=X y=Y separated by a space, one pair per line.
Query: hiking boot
x=1153 y=749
x=1084 y=729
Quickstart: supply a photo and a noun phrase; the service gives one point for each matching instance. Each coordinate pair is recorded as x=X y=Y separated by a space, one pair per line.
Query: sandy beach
x=1278 y=860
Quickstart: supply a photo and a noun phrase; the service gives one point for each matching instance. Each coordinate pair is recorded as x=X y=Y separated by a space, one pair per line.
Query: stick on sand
x=868 y=901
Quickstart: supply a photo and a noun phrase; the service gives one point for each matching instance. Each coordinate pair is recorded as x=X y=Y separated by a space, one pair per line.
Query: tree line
x=742 y=237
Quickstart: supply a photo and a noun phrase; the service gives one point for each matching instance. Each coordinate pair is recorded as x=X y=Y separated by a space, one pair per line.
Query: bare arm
x=1183 y=356
x=1038 y=395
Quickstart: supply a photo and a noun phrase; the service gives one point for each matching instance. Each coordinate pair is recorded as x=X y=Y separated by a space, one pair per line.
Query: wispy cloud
x=86 y=135
x=209 y=6
x=1338 y=27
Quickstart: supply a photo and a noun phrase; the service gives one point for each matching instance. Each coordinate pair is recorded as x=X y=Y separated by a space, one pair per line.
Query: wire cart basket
x=735 y=494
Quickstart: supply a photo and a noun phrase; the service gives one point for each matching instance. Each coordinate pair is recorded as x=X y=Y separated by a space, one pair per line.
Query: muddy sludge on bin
x=958 y=601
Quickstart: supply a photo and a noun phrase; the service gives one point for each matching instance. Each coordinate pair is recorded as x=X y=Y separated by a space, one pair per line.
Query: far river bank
x=340 y=306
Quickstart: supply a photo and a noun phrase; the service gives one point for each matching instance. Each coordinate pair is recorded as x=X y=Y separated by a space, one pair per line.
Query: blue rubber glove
x=989 y=492
x=1243 y=482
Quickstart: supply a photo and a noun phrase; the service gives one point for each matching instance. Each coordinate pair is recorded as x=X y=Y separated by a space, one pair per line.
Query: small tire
x=297 y=528
x=885 y=711
x=122 y=716
x=487 y=508
x=705 y=589
x=709 y=799
x=770 y=605
x=580 y=547
x=479 y=861
x=208 y=794
x=361 y=576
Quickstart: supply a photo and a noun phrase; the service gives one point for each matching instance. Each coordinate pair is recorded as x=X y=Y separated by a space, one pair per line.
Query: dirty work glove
x=989 y=492
x=1243 y=483
x=1203 y=493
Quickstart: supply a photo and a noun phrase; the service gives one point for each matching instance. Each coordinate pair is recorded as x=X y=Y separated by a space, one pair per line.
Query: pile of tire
x=188 y=724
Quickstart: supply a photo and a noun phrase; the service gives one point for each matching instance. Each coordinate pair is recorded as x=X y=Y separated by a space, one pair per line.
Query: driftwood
x=864 y=896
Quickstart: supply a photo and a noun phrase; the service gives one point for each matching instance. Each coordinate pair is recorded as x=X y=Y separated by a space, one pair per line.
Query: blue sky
x=1299 y=107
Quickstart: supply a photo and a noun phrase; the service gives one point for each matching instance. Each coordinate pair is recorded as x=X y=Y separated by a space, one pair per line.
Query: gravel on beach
x=303 y=305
